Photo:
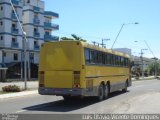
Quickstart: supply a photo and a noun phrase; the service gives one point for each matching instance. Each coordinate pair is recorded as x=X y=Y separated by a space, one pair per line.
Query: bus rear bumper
x=62 y=91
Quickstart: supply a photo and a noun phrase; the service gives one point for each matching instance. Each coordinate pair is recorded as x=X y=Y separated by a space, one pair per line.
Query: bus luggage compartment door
x=59 y=79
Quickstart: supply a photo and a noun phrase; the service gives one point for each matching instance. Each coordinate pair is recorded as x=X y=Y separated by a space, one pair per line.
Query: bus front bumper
x=62 y=91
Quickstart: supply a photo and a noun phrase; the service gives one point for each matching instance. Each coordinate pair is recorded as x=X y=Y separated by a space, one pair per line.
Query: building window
x=28 y=1
x=1 y=8
x=32 y=57
x=1 y=23
x=15 y=56
x=14 y=25
x=13 y=39
x=47 y=33
x=35 y=43
x=35 y=29
x=1 y=37
x=4 y=54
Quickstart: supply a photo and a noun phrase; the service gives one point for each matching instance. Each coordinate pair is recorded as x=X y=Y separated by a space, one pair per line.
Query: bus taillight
x=76 y=79
x=41 y=79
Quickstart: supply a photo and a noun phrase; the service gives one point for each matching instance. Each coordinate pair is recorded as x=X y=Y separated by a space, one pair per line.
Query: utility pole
x=103 y=45
x=24 y=46
x=142 y=62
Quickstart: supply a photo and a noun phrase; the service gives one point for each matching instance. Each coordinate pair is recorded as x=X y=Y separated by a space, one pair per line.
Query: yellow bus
x=75 y=68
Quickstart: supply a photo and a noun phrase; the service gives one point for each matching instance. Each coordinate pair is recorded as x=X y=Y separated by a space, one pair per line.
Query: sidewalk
x=30 y=84
x=18 y=94
x=144 y=78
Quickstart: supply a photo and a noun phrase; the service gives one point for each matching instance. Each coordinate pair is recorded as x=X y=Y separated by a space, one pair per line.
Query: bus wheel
x=100 y=93
x=106 y=91
x=125 y=89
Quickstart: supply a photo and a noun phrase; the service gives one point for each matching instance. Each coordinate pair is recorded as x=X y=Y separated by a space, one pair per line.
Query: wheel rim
x=101 y=93
x=106 y=92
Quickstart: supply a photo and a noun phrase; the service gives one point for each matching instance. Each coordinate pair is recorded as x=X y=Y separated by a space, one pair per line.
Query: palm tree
x=74 y=37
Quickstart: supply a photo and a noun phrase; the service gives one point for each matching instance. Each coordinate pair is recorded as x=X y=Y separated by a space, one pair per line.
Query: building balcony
x=51 y=14
x=36 y=21
x=13 y=16
x=36 y=34
x=14 y=30
x=48 y=25
x=36 y=47
x=48 y=38
x=15 y=2
x=14 y=45
x=36 y=9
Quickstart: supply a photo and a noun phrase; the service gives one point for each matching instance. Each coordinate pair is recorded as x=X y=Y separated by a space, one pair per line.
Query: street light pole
x=142 y=61
x=120 y=32
x=25 y=47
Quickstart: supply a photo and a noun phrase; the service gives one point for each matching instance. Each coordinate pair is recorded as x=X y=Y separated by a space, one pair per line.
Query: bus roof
x=95 y=47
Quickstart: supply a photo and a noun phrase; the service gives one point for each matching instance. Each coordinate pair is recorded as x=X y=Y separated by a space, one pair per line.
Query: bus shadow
x=67 y=106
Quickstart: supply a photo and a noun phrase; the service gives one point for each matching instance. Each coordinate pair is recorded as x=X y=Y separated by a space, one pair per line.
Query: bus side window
x=87 y=56
x=119 y=61
x=99 y=57
x=122 y=61
x=92 y=57
x=103 y=58
x=113 y=60
x=106 y=59
x=116 y=60
x=109 y=59
x=125 y=62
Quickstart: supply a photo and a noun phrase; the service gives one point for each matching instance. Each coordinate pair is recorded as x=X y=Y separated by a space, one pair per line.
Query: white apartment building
x=37 y=24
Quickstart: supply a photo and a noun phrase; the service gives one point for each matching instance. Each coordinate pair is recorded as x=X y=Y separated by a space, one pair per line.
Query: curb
x=19 y=94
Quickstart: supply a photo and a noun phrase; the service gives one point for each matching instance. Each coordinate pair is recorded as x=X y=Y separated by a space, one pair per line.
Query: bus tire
x=106 y=91
x=100 y=93
x=125 y=89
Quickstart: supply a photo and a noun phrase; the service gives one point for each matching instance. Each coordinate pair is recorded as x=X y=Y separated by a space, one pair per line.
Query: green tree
x=74 y=37
x=152 y=68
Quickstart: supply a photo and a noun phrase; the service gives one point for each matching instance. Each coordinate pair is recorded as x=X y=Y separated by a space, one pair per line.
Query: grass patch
x=1 y=92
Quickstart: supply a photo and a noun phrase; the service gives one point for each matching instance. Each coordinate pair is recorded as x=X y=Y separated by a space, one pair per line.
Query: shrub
x=11 y=88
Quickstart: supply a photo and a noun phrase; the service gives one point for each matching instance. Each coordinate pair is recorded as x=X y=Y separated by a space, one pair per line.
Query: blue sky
x=97 y=19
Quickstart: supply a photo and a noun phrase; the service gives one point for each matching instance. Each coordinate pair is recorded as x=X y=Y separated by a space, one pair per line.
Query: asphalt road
x=142 y=97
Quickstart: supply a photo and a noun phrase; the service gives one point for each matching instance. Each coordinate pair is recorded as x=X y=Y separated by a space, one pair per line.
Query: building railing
x=36 y=47
x=36 y=9
x=15 y=45
x=51 y=26
x=52 y=14
x=36 y=34
x=16 y=2
x=51 y=38
x=13 y=16
x=36 y=21
x=15 y=30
